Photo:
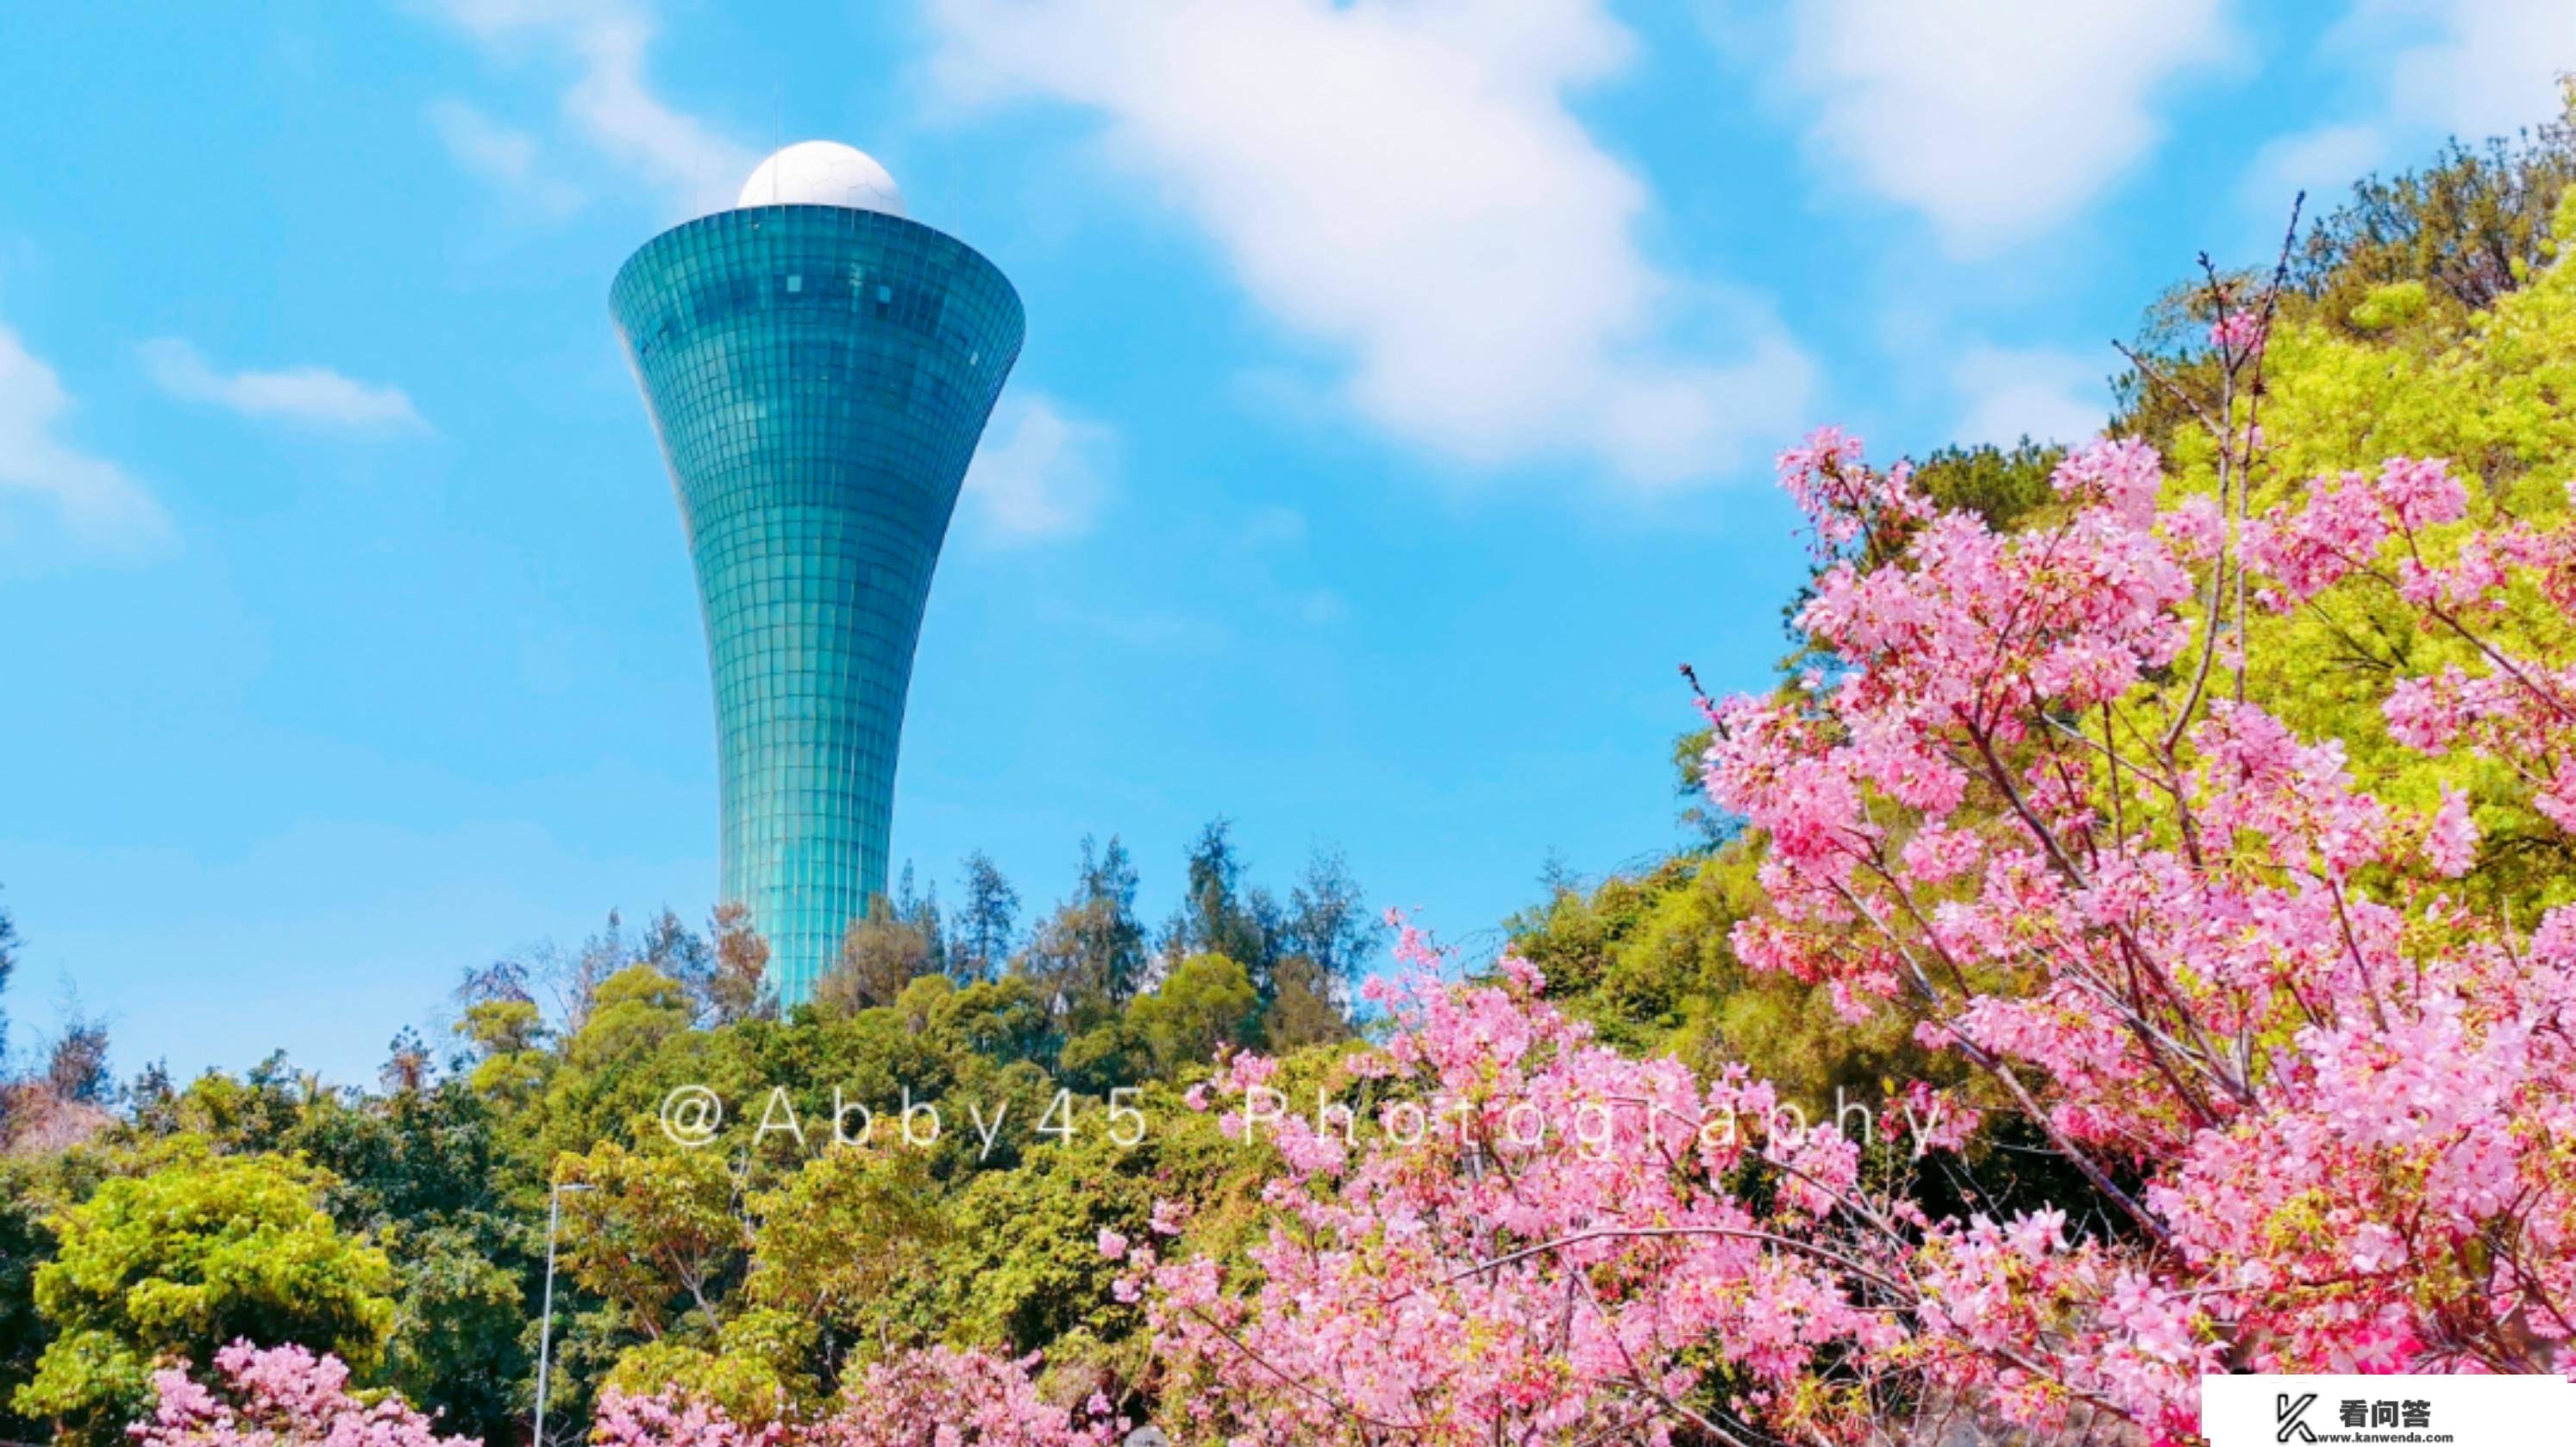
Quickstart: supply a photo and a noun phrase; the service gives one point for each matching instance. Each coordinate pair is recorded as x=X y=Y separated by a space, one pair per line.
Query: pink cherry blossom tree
x=2322 y=1107
x=929 y=1397
x=278 y=1397
x=932 y=1397
x=1538 y=1239
x=675 y=1419
x=943 y=1397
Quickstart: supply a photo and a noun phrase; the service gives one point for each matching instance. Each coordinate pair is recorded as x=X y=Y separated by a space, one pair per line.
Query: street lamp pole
x=546 y=1318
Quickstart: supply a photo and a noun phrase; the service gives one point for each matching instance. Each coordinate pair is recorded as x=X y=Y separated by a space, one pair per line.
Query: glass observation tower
x=818 y=368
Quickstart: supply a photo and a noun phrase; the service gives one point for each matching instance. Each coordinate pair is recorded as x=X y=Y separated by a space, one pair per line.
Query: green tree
x=1648 y=958
x=755 y=1369
x=1302 y=1008
x=459 y=1310
x=1328 y=919
x=880 y=954
x=1090 y=955
x=75 y=1071
x=988 y=923
x=1219 y=914
x=660 y=1233
x=243 y=1116
x=2469 y=227
x=188 y=1258
x=679 y=952
x=426 y=1174
x=1104 y=1057
x=1001 y=1019
x=919 y=908
x=1206 y=1001
x=630 y=1012
x=849 y=1243
x=1025 y=1268
x=506 y=1036
x=25 y=1243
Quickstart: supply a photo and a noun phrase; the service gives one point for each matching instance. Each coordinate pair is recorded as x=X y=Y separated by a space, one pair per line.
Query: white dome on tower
x=823 y=173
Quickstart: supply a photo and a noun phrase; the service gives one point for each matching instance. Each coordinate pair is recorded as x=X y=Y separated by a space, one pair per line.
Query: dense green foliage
x=197 y=1253
x=403 y=1228
x=2469 y=228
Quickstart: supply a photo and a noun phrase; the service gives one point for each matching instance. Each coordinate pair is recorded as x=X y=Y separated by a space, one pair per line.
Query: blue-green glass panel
x=818 y=378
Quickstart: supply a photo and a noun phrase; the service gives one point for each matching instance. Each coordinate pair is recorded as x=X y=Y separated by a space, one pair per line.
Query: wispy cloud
x=1995 y=119
x=2039 y=392
x=509 y=158
x=2486 y=67
x=1410 y=185
x=608 y=99
x=2320 y=162
x=1145 y=631
x=1042 y=472
x=2466 y=68
x=314 y=396
x=95 y=505
x=1273 y=554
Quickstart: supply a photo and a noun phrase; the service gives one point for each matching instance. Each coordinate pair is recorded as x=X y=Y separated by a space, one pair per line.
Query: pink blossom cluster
x=1494 y=1283
x=675 y=1420
x=2188 y=942
x=931 y=1397
x=927 y=1397
x=2237 y=334
x=2323 y=1111
x=1824 y=475
x=2471 y=585
x=942 y=1397
x=2345 y=520
x=278 y=1397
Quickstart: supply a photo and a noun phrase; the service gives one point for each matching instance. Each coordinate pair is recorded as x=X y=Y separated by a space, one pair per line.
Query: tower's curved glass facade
x=818 y=377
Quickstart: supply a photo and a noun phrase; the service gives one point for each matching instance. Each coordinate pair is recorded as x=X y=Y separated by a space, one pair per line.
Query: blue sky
x=1400 y=385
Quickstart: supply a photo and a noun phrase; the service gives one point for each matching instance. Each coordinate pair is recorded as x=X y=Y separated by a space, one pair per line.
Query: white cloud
x=1407 y=183
x=2490 y=68
x=2465 y=68
x=2039 y=393
x=1042 y=471
x=503 y=155
x=315 y=396
x=1147 y=631
x=2322 y=162
x=609 y=100
x=93 y=502
x=483 y=145
x=1996 y=119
